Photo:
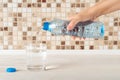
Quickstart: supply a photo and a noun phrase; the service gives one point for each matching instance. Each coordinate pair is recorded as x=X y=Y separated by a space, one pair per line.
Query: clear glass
x=36 y=56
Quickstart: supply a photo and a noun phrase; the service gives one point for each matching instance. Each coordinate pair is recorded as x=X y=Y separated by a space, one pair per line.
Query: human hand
x=85 y=15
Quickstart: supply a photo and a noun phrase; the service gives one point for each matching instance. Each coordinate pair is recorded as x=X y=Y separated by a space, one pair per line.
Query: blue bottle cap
x=102 y=30
x=10 y=69
x=46 y=26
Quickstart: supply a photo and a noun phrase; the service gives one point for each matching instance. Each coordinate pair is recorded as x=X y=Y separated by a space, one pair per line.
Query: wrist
x=95 y=12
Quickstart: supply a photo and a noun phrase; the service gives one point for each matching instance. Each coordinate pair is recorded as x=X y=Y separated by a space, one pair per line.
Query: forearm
x=106 y=6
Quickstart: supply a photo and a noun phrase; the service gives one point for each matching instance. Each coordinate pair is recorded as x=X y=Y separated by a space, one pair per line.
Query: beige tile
x=22 y=24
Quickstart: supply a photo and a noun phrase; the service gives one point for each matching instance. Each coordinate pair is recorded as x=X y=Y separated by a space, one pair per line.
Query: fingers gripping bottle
x=88 y=29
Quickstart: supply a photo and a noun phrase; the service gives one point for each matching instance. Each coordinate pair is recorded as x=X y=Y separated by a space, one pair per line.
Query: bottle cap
x=10 y=69
x=46 y=26
x=102 y=30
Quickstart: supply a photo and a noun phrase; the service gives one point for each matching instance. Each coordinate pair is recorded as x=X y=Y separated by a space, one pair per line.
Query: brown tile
x=72 y=4
x=115 y=19
x=19 y=14
x=9 y=1
x=62 y=47
x=24 y=38
x=5 y=5
x=73 y=47
x=115 y=42
x=91 y=47
x=105 y=37
x=10 y=33
x=97 y=0
x=43 y=0
x=57 y=47
x=1 y=28
x=62 y=42
x=24 y=33
x=95 y=39
x=77 y=42
x=81 y=42
x=15 y=19
x=34 y=5
x=29 y=5
x=39 y=5
x=34 y=38
x=29 y=28
x=48 y=5
x=110 y=33
x=15 y=24
x=58 y=5
x=78 y=5
x=44 y=42
x=19 y=4
x=5 y=28
x=82 y=4
x=81 y=47
x=38 y=0
x=24 y=0
x=115 y=23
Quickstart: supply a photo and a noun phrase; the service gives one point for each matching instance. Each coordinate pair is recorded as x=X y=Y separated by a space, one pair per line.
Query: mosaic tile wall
x=20 y=20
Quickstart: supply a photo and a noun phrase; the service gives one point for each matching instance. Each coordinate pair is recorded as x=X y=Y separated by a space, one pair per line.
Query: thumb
x=72 y=24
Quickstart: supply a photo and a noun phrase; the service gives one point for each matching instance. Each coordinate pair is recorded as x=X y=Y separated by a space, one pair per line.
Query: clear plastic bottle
x=88 y=29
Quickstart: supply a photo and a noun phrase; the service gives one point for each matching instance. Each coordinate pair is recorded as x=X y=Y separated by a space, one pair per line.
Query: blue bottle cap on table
x=10 y=69
x=46 y=26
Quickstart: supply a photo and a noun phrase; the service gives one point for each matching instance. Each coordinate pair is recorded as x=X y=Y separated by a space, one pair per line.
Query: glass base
x=36 y=67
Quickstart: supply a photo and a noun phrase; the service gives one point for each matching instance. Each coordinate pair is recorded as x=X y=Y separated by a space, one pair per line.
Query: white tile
x=53 y=4
x=15 y=10
x=105 y=47
x=5 y=10
x=4 y=1
x=15 y=42
x=34 y=1
x=19 y=9
x=24 y=10
x=14 y=5
x=43 y=9
x=10 y=47
x=29 y=10
x=1 y=46
x=86 y=47
x=5 y=42
x=48 y=38
x=19 y=38
x=53 y=9
x=68 y=5
x=5 y=24
x=43 y=5
x=10 y=5
x=19 y=1
x=115 y=47
x=58 y=1
x=1 y=33
x=48 y=10
x=5 y=38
